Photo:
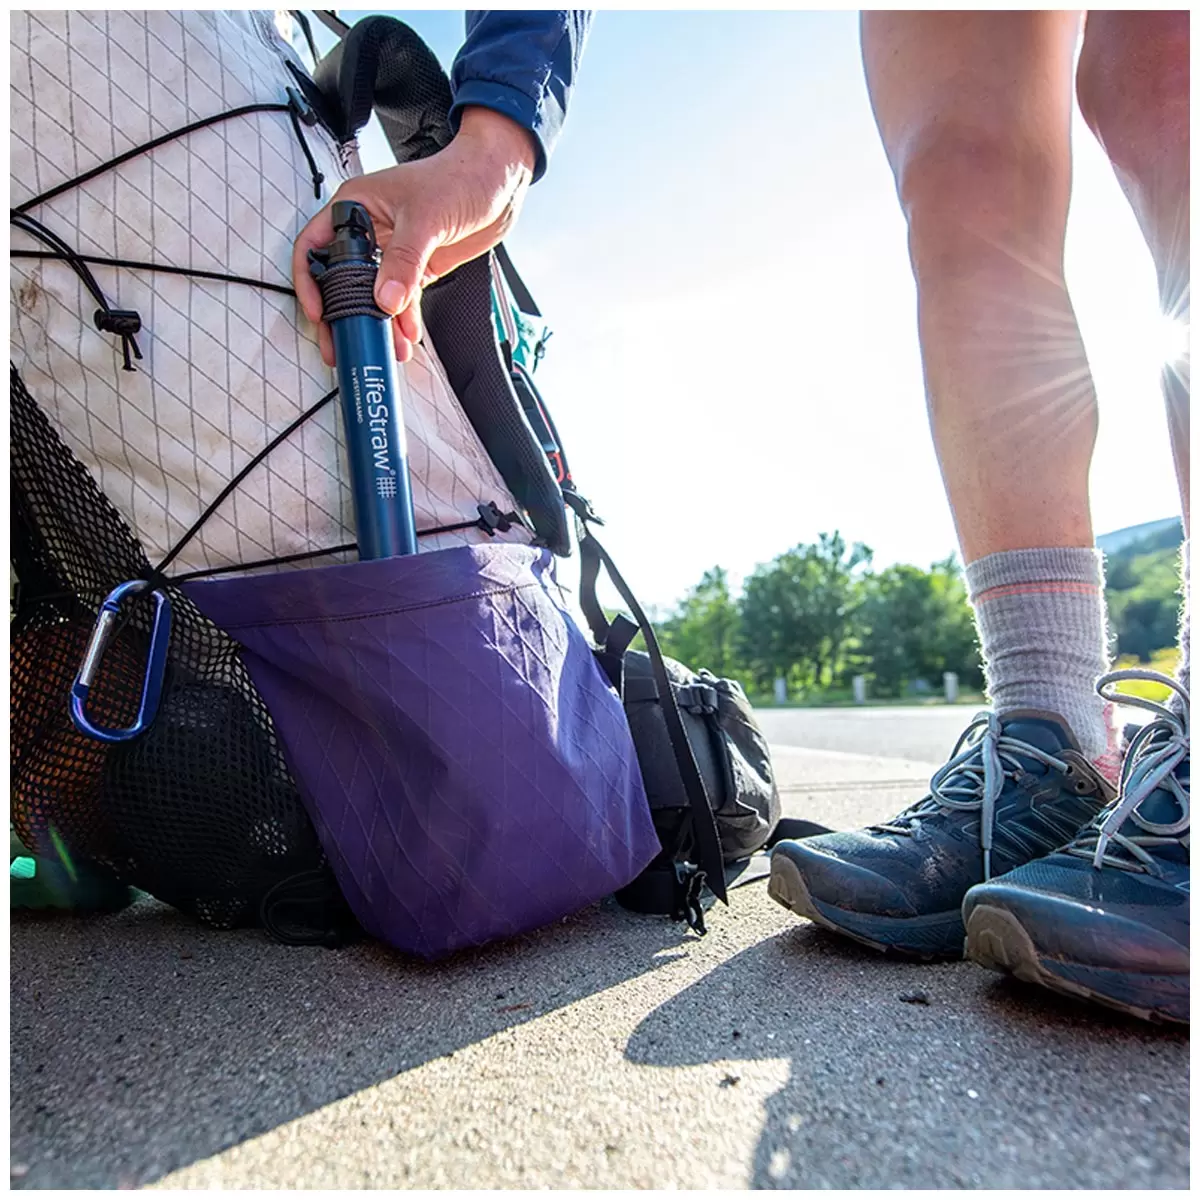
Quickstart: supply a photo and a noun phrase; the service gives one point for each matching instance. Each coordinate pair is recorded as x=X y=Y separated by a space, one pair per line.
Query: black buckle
x=697 y=698
x=580 y=506
x=492 y=521
x=689 y=884
x=613 y=666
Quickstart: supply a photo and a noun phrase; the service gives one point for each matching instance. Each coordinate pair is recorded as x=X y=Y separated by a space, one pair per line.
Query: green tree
x=702 y=632
x=1143 y=597
x=916 y=624
x=798 y=610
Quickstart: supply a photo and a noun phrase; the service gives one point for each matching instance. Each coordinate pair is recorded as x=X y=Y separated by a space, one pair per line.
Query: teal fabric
x=532 y=332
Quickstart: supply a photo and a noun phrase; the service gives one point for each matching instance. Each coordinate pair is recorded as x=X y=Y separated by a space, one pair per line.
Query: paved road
x=607 y=1051
x=926 y=733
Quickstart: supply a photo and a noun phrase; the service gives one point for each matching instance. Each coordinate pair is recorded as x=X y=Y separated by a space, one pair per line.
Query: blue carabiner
x=156 y=665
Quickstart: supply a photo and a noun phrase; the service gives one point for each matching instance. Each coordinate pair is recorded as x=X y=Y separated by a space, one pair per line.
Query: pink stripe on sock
x=1061 y=586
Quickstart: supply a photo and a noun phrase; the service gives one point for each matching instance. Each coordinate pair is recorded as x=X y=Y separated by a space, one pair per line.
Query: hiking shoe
x=1013 y=790
x=1108 y=916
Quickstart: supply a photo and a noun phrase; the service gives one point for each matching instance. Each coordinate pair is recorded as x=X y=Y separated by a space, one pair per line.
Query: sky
x=734 y=368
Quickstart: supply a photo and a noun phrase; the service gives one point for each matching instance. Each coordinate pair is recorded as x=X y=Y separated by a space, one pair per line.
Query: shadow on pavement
x=143 y=1042
x=991 y=1083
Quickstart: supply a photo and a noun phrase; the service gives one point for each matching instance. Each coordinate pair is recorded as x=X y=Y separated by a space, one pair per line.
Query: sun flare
x=1172 y=338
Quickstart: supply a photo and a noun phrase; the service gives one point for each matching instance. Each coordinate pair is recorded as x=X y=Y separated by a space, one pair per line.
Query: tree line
x=819 y=614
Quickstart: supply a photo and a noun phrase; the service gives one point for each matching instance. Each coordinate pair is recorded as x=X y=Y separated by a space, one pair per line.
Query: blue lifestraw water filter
x=368 y=383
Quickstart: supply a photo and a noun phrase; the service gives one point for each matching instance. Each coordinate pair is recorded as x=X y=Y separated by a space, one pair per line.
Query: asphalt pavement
x=608 y=1051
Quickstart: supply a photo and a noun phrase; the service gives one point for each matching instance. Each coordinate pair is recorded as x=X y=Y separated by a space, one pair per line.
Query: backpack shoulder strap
x=516 y=284
x=458 y=317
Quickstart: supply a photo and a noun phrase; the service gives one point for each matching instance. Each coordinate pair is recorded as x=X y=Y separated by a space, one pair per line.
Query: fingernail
x=391 y=296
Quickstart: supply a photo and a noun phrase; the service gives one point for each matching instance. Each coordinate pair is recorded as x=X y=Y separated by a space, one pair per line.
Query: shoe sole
x=996 y=939
x=786 y=886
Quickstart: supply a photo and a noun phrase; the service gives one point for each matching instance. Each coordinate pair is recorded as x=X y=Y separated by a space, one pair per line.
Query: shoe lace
x=1151 y=762
x=982 y=759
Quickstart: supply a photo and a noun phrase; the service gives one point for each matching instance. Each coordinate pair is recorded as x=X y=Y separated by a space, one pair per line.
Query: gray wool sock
x=1042 y=625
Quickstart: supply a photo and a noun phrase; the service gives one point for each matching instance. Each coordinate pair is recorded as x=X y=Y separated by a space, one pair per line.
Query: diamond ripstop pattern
x=468 y=768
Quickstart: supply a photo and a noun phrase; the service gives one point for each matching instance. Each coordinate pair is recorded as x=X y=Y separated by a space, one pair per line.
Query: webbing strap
x=516 y=285
x=704 y=822
x=792 y=829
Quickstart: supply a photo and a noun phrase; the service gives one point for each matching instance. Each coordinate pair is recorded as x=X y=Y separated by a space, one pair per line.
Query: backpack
x=423 y=748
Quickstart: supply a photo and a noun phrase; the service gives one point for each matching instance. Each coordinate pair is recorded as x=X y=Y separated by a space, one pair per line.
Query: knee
x=1133 y=85
x=977 y=198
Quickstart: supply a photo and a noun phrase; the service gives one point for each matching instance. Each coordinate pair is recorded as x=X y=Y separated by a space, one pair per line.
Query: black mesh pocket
x=200 y=810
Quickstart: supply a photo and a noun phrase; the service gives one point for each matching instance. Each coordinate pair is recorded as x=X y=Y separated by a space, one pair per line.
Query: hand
x=430 y=216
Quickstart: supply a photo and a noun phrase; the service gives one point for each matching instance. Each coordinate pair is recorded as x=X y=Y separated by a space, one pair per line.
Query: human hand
x=430 y=216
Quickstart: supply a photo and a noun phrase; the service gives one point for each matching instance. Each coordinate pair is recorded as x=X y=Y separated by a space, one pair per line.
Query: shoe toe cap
x=834 y=877
x=1087 y=932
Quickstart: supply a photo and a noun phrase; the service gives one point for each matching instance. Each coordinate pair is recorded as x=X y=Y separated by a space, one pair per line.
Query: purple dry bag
x=469 y=770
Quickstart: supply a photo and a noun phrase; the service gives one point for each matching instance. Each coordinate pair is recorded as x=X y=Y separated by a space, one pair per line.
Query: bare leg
x=975 y=113
x=1134 y=91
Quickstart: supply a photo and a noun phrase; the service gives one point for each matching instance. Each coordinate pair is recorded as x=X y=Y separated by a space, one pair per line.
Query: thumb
x=402 y=268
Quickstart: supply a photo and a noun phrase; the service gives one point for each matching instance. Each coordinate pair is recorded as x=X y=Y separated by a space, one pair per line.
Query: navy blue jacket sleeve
x=521 y=63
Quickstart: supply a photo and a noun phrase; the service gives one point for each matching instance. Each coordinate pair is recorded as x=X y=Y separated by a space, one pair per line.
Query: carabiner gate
x=156 y=665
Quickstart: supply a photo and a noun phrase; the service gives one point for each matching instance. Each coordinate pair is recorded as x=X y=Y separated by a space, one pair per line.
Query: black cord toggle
x=122 y=321
x=298 y=110
x=125 y=323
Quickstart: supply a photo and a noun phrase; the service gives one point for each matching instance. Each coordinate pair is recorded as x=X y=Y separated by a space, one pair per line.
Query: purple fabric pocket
x=468 y=768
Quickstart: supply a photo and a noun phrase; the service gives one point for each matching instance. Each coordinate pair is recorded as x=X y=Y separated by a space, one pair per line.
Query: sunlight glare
x=1173 y=337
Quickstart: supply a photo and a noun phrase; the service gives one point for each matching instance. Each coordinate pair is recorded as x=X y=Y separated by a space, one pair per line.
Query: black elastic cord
x=310 y=894
x=124 y=323
x=203 y=123
x=284 y=560
x=174 y=552
x=317 y=177
x=133 y=265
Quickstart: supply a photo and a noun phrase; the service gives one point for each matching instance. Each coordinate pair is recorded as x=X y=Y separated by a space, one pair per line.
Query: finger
x=404 y=348
x=403 y=264
x=445 y=258
x=410 y=320
x=325 y=341
x=318 y=232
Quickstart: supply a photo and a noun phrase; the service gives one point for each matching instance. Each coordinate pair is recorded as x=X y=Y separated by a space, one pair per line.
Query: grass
x=843 y=699
x=1163 y=661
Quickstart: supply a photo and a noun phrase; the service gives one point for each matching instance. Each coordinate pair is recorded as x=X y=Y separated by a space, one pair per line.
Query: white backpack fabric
x=225 y=367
